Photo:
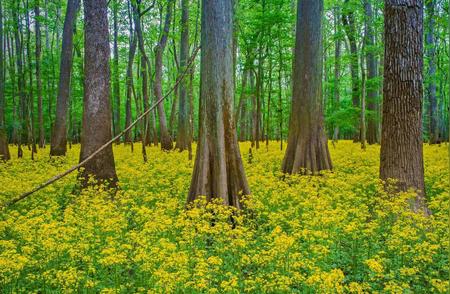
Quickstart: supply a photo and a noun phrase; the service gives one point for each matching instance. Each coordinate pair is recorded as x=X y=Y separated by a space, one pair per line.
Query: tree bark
x=38 y=74
x=184 y=134
x=129 y=82
x=401 y=141
x=4 y=148
x=166 y=140
x=218 y=171
x=337 y=71
x=431 y=74
x=307 y=150
x=59 y=135
x=372 y=91
x=240 y=115
x=20 y=80
x=348 y=19
x=116 y=84
x=96 y=108
x=30 y=95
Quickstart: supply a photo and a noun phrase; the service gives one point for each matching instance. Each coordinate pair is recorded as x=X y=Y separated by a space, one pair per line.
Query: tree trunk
x=20 y=80
x=337 y=71
x=307 y=150
x=30 y=96
x=431 y=75
x=280 y=92
x=363 y=98
x=372 y=91
x=96 y=108
x=59 y=135
x=166 y=140
x=348 y=19
x=184 y=134
x=116 y=84
x=218 y=171
x=240 y=115
x=401 y=142
x=38 y=74
x=129 y=81
x=4 y=148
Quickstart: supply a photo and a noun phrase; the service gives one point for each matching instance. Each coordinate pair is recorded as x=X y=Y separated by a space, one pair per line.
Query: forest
x=224 y=146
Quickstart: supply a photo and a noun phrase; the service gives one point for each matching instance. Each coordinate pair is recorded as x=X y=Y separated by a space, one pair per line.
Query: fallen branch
x=90 y=157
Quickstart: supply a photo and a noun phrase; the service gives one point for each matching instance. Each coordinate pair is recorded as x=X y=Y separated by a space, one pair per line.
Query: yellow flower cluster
x=335 y=233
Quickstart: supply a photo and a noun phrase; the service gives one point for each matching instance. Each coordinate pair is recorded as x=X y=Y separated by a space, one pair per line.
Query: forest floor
x=339 y=232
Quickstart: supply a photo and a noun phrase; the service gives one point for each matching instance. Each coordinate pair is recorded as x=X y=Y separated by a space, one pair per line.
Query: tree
x=337 y=68
x=401 y=141
x=431 y=74
x=218 y=170
x=37 y=26
x=4 y=149
x=166 y=140
x=116 y=84
x=307 y=143
x=184 y=136
x=21 y=79
x=349 y=22
x=129 y=82
x=59 y=135
x=96 y=107
x=369 y=39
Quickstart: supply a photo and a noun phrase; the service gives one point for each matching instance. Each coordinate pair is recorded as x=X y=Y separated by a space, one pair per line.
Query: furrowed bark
x=401 y=142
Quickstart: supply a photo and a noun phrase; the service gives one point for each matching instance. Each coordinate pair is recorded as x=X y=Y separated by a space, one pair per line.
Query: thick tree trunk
x=38 y=74
x=184 y=134
x=307 y=150
x=401 y=142
x=59 y=135
x=431 y=75
x=348 y=19
x=96 y=108
x=372 y=91
x=116 y=84
x=166 y=140
x=4 y=149
x=218 y=171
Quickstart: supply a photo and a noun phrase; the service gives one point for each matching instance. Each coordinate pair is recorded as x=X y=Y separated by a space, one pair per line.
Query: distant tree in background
x=59 y=135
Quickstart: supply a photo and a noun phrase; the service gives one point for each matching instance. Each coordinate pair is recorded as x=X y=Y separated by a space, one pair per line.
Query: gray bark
x=184 y=134
x=59 y=135
x=218 y=171
x=37 y=24
x=96 y=107
x=166 y=140
x=372 y=91
x=431 y=74
x=4 y=149
x=307 y=150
